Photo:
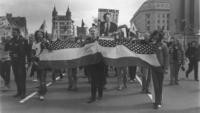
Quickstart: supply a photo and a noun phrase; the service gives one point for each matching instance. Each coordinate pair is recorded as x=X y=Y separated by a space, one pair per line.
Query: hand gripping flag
x=120 y=52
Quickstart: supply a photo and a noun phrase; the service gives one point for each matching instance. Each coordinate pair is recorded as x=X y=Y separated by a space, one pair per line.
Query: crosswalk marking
x=140 y=81
x=35 y=93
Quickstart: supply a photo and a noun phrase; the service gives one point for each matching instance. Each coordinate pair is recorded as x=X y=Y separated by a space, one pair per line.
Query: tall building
x=185 y=19
x=62 y=25
x=152 y=15
x=8 y=22
x=82 y=32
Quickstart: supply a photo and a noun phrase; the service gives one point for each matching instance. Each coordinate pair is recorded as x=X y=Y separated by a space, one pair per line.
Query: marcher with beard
x=176 y=57
x=158 y=72
x=5 y=65
x=98 y=77
x=19 y=53
x=192 y=55
x=41 y=73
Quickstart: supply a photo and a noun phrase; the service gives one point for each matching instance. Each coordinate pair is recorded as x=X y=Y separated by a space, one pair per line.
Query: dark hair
x=94 y=24
x=17 y=30
x=104 y=16
x=36 y=38
x=159 y=33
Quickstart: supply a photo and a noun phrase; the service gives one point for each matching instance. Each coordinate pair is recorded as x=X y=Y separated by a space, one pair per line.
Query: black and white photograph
x=99 y=56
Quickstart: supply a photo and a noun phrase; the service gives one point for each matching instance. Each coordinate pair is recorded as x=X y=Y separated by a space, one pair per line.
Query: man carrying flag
x=158 y=72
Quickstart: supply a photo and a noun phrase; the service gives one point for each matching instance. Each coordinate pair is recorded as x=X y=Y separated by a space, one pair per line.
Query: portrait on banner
x=107 y=21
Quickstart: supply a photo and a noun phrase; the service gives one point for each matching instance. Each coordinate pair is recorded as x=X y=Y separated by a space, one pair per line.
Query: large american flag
x=137 y=46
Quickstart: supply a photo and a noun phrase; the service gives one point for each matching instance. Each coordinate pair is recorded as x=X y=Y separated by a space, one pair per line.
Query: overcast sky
x=36 y=11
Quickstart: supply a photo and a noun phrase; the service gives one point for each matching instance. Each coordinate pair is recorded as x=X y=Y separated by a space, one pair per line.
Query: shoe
x=16 y=95
x=69 y=88
x=120 y=88
x=176 y=83
x=186 y=75
x=99 y=98
x=196 y=80
x=41 y=98
x=157 y=106
x=147 y=92
x=23 y=96
x=91 y=101
x=5 y=88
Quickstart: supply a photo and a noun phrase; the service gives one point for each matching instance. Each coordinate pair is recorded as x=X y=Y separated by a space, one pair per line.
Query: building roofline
x=147 y=2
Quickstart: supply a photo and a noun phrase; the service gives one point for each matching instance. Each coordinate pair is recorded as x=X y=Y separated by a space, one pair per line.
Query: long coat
x=97 y=73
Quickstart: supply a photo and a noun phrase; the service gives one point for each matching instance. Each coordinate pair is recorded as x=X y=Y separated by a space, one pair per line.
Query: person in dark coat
x=5 y=65
x=98 y=77
x=192 y=55
x=132 y=73
x=19 y=53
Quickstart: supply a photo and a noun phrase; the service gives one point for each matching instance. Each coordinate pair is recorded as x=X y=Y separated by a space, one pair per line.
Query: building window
x=158 y=5
x=62 y=23
x=168 y=27
x=163 y=15
x=148 y=22
x=167 y=21
x=168 y=15
x=158 y=27
x=163 y=21
x=158 y=21
x=158 y=15
x=163 y=27
x=148 y=28
x=148 y=15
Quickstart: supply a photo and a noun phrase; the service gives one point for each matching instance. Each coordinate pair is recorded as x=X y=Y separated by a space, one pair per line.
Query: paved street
x=183 y=98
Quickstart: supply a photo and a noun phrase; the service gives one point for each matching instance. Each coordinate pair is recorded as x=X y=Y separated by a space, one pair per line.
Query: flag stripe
x=91 y=53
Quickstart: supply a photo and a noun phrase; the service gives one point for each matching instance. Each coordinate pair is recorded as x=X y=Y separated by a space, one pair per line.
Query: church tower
x=68 y=14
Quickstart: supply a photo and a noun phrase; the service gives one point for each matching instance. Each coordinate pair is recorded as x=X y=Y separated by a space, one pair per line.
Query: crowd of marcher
x=20 y=54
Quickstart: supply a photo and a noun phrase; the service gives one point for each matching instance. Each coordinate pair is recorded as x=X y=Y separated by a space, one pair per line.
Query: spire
x=82 y=24
x=68 y=14
x=54 y=13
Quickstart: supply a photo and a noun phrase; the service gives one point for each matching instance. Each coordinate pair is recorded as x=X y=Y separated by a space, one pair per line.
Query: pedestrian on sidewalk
x=176 y=59
x=20 y=54
x=5 y=65
x=192 y=55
